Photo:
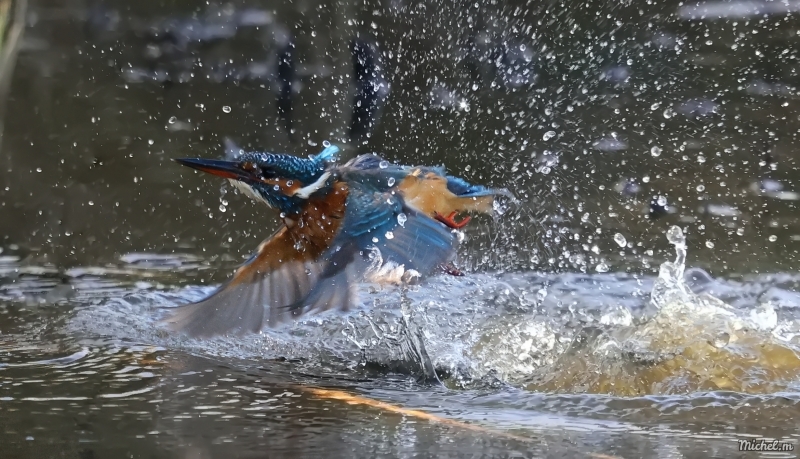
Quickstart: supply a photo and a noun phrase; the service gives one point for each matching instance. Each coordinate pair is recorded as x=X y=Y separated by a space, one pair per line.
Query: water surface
x=580 y=330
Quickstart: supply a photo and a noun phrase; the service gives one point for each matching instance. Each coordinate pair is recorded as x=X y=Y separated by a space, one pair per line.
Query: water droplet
x=701 y=188
x=499 y=207
x=721 y=340
x=383 y=164
x=675 y=235
x=669 y=113
x=91 y=203
x=389 y=235
x=601 y=267
x=222 y=208
x=655 y=151
x=662 y=201
x=226 y=109
x=172 y=120
x=390 y=181
x=773 y=238
x=620 y=240
x=401 y=219
x=549 y=135
x=709 y=244
x=151 y=141
x=375 y=240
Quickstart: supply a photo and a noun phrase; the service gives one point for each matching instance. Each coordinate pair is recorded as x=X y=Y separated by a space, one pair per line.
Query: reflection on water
x=579 y=332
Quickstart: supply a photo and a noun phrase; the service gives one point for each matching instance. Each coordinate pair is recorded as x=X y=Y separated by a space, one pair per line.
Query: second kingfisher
x=341 y=224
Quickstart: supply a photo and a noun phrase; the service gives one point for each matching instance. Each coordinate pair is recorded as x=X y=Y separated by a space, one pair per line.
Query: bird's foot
x=451 y=269
x=448 y=220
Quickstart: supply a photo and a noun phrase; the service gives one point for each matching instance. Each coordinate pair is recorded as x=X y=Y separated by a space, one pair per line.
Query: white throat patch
x=247 y=190
x=306 y=192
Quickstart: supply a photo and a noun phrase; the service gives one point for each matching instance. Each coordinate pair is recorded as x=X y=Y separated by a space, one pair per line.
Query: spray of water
x=599 y=332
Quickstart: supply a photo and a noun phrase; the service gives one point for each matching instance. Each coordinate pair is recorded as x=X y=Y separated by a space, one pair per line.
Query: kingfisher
x=364 y=220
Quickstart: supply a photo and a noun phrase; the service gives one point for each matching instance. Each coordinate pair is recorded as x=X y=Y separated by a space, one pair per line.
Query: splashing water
x=589 y=333
x=669 y=286
x=694 y=342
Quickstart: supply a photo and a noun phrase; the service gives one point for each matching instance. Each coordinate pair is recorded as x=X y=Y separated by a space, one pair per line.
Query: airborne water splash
x=669 y=285
x=695 y=342
x=608 y=333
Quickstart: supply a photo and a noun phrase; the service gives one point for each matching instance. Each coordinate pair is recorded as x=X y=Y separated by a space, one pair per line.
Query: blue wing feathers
x=328 y=154
x=420 y=243
x=367 y=211
x=367 y=170
x=365 y=162
x=461 y=187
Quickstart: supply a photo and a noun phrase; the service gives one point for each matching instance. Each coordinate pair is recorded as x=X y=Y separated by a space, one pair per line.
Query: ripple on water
x=594 y=346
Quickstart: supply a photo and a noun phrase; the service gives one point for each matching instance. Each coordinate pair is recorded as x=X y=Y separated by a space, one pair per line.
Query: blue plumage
x=278 y=165
x=377 y=225
x=373 y=170
x=367 y=219
x=462 y=188
x=367 y=211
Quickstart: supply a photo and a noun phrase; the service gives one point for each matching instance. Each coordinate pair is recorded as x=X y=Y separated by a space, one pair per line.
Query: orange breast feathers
x=305 y=237
x=319 y=221
x=429 y=194
x=316 y=226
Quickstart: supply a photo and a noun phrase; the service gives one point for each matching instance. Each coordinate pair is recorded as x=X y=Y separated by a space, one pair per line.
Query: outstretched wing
x=379 y=222
x=281 y=281
x=277 y=274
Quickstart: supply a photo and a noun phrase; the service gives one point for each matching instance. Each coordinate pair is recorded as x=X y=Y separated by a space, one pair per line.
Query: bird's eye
x=262 y=172
x=267 y=173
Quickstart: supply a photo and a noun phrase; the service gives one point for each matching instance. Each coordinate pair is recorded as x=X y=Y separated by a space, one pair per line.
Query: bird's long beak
x=220 y=168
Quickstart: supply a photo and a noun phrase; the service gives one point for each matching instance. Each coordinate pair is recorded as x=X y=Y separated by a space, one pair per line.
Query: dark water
x=569 y=336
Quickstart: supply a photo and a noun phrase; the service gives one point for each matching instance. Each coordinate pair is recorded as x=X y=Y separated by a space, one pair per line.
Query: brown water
x=563 y=340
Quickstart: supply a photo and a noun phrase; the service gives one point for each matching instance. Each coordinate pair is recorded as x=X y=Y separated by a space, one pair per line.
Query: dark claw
x=448 y=220
x=450 y=269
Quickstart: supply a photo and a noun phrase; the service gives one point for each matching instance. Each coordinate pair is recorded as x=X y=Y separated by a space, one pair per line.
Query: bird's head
x=280 y=181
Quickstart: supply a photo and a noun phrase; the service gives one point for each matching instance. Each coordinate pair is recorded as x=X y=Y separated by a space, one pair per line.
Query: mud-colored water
x=584 y=326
